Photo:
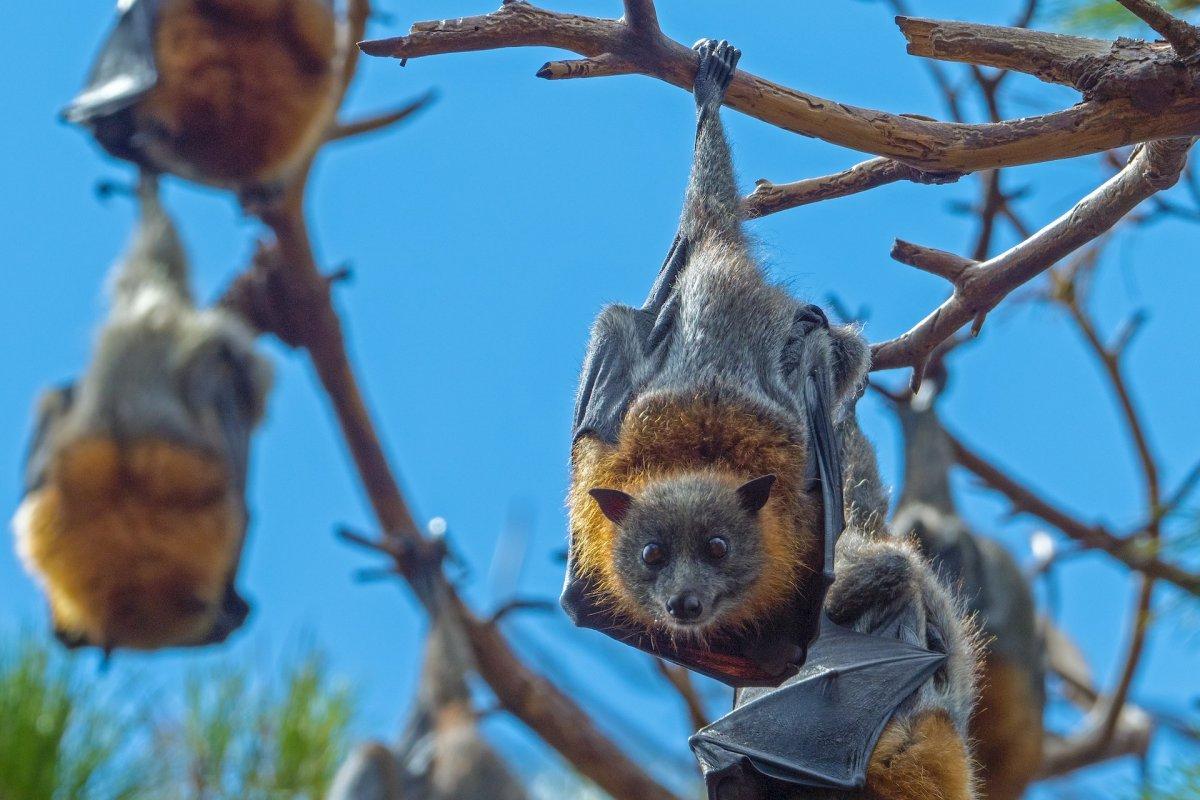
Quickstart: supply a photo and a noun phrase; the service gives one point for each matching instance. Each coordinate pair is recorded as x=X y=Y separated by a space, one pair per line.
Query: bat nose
x=685 y=606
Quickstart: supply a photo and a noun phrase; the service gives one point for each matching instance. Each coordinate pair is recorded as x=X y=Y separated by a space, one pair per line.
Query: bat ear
x=754 y=494
x=613 y=502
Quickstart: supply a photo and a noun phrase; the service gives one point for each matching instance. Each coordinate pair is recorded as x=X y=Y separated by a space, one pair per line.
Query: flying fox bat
x=230 y=93
x=134 y=514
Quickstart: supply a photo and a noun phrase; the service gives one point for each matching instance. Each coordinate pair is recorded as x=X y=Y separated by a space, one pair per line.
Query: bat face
x=135 y=544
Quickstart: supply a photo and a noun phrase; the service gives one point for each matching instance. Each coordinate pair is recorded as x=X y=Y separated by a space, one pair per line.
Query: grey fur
x=681 y=516
x=163 y=368
x=714 y=326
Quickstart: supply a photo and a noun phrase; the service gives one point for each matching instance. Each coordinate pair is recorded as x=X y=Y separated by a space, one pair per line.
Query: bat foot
x=718 y=62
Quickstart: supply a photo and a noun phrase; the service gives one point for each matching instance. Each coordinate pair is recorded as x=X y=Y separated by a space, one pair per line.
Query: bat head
x=689 y=547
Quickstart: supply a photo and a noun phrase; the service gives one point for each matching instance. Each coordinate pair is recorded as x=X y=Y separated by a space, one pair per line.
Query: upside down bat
x=715 y=447
x=1006 y=727
x=224 y=92
x=134 y=514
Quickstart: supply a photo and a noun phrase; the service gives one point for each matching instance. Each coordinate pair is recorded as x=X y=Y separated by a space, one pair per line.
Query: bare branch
x=1131 y=553
x=769 y=198
x=981 y=287
x=1090 y=127
x=1052 y=57
x=377 y=122
x=936 y=262
x=1131 y=736
x=603 y=65
x=1184 y=38
x=681 y=681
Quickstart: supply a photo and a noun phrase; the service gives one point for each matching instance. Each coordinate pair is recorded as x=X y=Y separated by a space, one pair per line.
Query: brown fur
x=128 y=540
x=243 y=84
x=663 y=437
x=919 y=759
x=1006 y=729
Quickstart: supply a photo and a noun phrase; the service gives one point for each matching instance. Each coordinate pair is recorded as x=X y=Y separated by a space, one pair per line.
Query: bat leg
x=313 y=30
x=921 y=758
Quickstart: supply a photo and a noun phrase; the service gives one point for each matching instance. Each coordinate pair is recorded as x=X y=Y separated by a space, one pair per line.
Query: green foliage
x=244 y=740
x=56 y=742
x=1108 y=16
x=234 y=738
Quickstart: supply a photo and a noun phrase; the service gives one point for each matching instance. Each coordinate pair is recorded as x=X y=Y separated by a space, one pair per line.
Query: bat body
x=1006 y=727
x=687 y=408
x=721 y=377
x=442 y=754
x=880 y=710
x=134 y=515
x=230 y=93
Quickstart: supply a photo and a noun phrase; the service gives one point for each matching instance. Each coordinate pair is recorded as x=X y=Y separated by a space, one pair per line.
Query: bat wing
x=618 y=359
x=53 y=408
x=817 y=730
x=124 y=70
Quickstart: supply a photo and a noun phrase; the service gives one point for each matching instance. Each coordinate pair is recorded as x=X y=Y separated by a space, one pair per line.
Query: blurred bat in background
x=1006 y=727
x=442 y=755
x=134 y=513
x=230 y=93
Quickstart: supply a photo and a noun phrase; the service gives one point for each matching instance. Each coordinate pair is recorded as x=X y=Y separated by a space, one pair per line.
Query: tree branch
x=1183 y=37
x=377 y=122
x=285 y=293
x=1131 y=553
x=681 y=681
x=982 y=286
x=1121 y=117
x=770 y=198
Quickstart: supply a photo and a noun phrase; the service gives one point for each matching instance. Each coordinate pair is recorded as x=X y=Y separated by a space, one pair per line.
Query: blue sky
x=484 y=237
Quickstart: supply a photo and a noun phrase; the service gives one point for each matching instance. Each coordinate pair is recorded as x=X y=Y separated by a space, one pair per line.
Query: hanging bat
x=1006 y=727
x=134 y=514
x=230 y=93
x=714 y=451
x=442 y=754
x=697 y=524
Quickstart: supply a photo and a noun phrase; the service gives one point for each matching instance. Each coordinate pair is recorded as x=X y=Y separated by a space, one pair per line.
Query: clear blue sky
x=484 y=238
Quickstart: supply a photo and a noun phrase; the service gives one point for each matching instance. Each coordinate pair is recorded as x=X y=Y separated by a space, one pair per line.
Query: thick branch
x=1052 y=57
x=285 y=293
x=1089 y=127
x=981 y=287
x=769 y=198
x=1130 y=553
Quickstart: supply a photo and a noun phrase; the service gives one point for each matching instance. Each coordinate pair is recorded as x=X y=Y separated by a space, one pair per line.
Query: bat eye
x=717 y=548
x=654 y=555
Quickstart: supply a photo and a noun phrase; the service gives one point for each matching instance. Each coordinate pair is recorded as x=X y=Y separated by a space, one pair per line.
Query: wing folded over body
x=819 y=728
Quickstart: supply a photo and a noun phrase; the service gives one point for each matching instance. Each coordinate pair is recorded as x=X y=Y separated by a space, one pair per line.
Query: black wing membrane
x=125 y=68
x=817 y=730
x=611 y=371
